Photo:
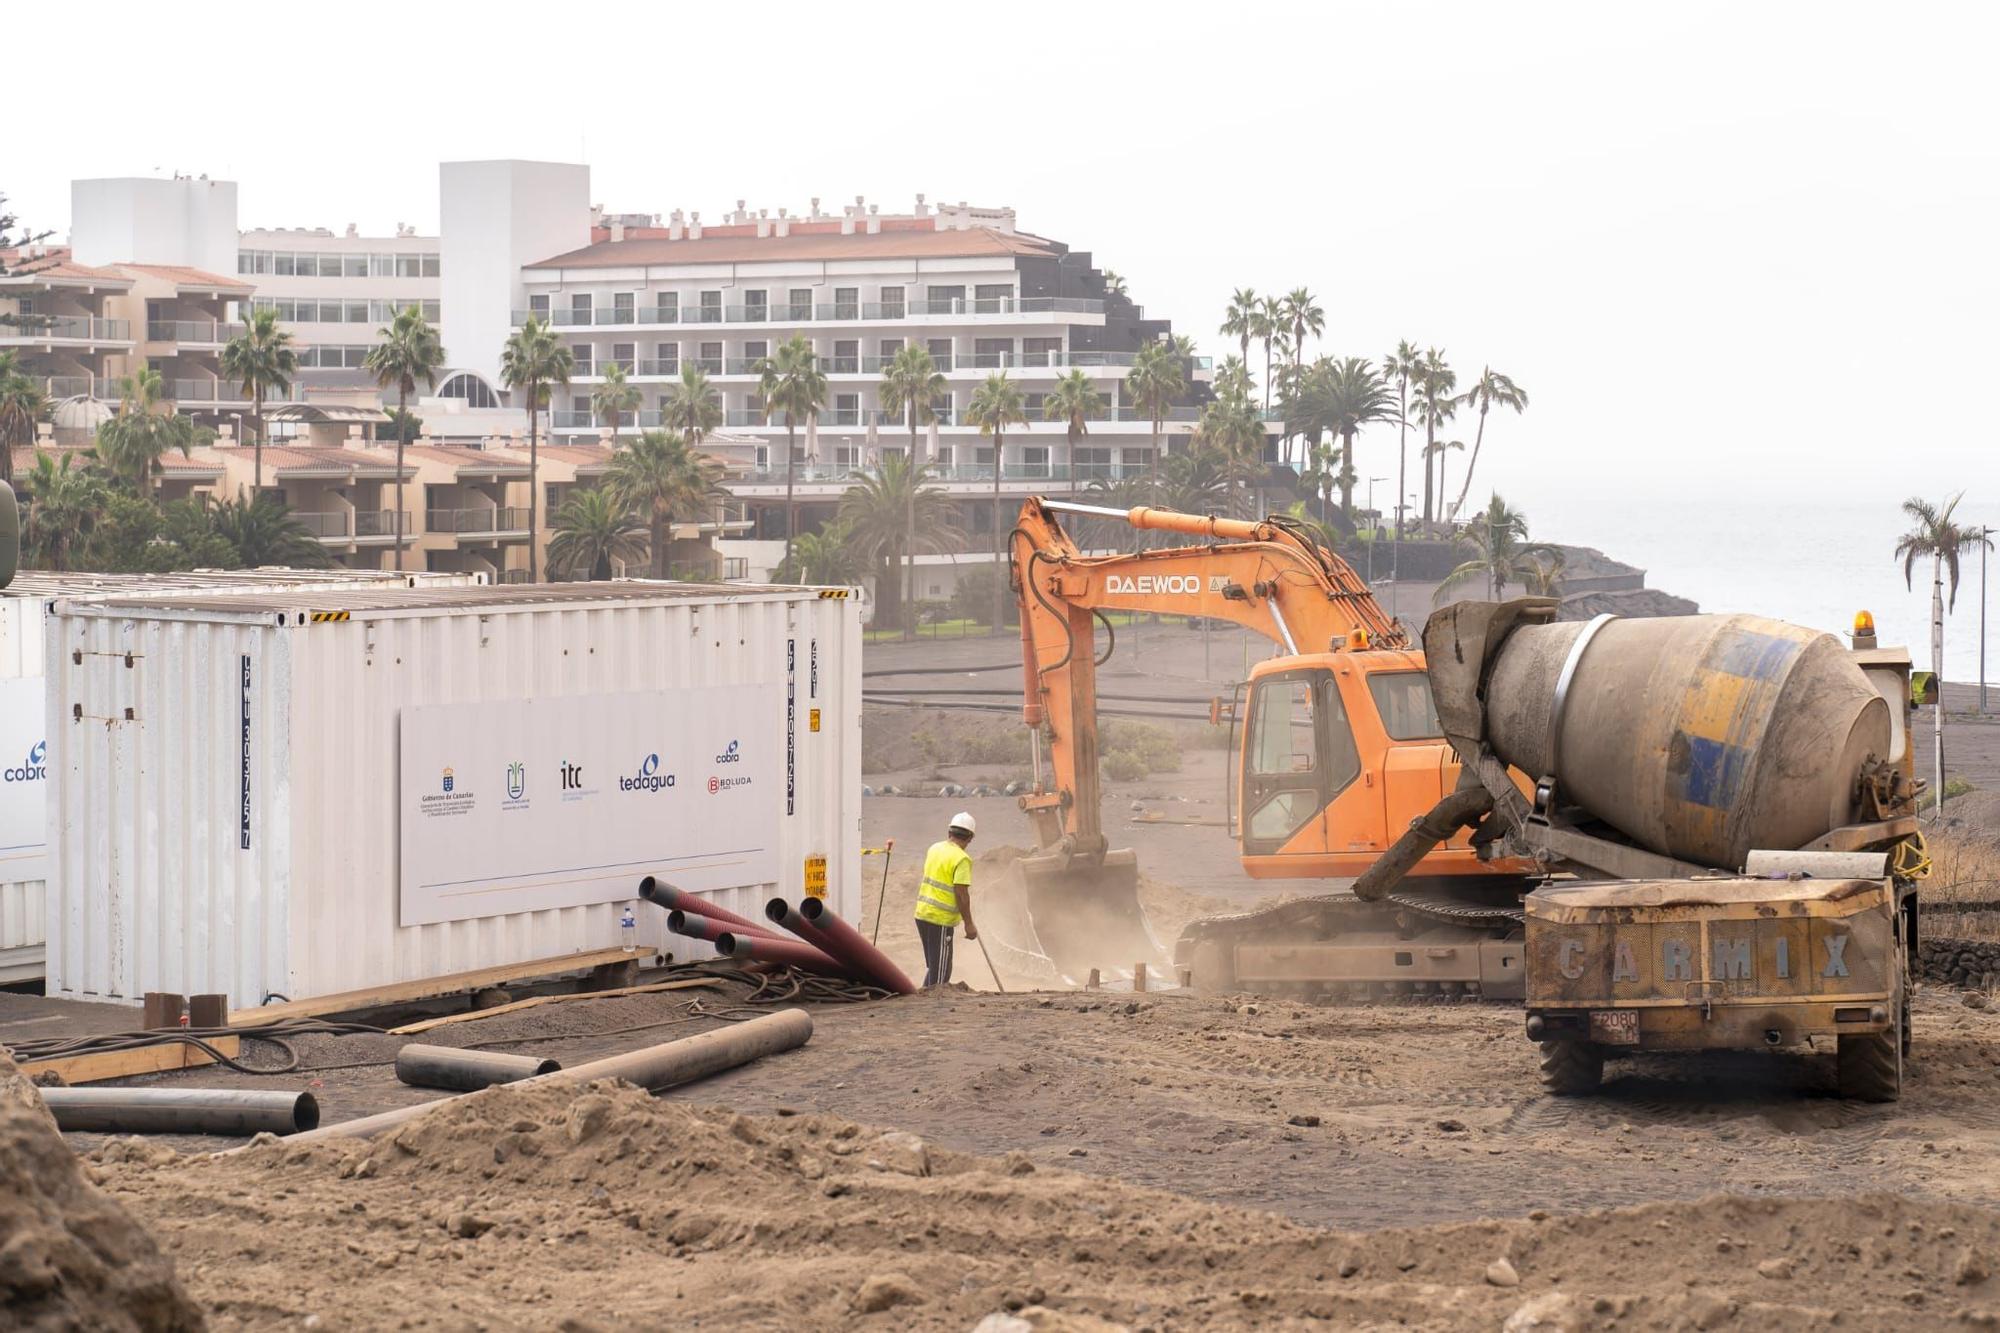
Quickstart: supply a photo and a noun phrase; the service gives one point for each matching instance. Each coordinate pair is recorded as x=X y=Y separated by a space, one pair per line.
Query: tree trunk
x=910 y=533
x=1937 y=676
x=1000 y=580
x=1267 y=374
x=658 y=536
x=1430 y=477
x=402 y=442
x=257 y=455
x=791 y=508
x=1347 y=474
x=1402 y=477
x=1477 y=440
x=534 y=489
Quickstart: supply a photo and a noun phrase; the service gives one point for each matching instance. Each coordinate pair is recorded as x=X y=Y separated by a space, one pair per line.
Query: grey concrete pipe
x=424 y=1066
x=1697 y=736
x=181 y=1110
x=654 y=1068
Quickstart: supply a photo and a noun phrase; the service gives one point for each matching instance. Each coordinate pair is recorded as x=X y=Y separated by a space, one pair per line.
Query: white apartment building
x=965 y=283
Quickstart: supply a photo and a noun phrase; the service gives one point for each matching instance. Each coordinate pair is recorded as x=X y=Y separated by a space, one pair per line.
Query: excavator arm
x=1266 y=575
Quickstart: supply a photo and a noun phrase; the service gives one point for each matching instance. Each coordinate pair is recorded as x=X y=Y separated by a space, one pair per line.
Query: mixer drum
x=1697 y=736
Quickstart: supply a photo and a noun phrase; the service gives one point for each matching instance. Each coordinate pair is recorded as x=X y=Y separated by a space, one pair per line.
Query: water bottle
x=628 y=931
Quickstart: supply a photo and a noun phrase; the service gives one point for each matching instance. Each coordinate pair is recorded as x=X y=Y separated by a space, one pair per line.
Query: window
x=432 y=266
x=579 y=305
x=288 y=311
x=667 y=306
x=354 y=266
x=474 y=390
x=538 y=306
x=847 y=303
x=1041 y=351
x=409 y=266
x=992 y=353
x=669 y=357
x=625 y=354
x=944 y=300
x=1299 y=754
x=1091 y=461
x=756 y=350
x=711 y=307
x=1035 y=460
x=381 y=266
x=983 y=456
x=356 y=358
x=892 y=303
x=581 y=352
x=579 y=403
x=801 y=303
x=357 y=311
x=244 y=260
x=329 y=266
x=1403 y=698
x=989 y=298
x=756 y=306
x=623 y=307
x=940 y=350
x=1031 y=405
x=888 y=348
x=711 y=358
x=282 y=264
x=433 y=311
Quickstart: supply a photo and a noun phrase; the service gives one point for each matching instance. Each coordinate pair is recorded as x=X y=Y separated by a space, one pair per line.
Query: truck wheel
x=1571 y=1068
x=1870 y=1067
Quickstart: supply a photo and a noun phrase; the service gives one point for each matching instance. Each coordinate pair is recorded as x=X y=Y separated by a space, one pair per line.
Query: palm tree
x=911 y=385
x=22 y=404
x=792 y=382
x=533 y=362
x=1270 y=324
x=1940 y=537
x=693 y=406
x=591 y=530
x=64 y=503
x=1234 y=429
x=1504 y=553
x=1073 y=401
x=1194 y=482
x=1114 y=284
x=1490 y=388
x=131 y=444
x=407 y=354
x=660 y=476
x=893 y=512
x=261 y=528
x=1341 y=397
x=1241 y=321
x=996 y=405
x=1232 y=378
x=1402 y=365
x=1158 y=377
x=829 y=558
x=1544 y=578
x=1303 y=313
x=1439 y=450
x=261 y=362
x=614 y=397
x=1433 y=381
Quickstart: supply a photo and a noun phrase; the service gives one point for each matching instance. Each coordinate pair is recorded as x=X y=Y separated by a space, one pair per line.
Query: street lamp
x=1374 y=528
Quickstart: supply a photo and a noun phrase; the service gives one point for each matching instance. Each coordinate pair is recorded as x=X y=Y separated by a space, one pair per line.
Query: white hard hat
x=964 y=820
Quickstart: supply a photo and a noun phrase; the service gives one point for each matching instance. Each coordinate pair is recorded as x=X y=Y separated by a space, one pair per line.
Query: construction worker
x=944 y=897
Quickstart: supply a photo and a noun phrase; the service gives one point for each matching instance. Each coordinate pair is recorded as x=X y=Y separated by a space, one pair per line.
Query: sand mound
x=70 y=1258
x=606 y=1208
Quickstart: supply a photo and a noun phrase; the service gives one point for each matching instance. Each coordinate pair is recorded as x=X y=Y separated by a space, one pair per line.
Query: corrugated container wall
x=153 y=890
x=23 y=605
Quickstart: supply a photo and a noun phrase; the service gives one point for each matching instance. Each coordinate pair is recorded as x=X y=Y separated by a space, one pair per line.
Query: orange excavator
x=1338 y=754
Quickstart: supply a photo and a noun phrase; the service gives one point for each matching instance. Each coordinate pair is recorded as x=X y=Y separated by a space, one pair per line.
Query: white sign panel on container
x=528 y=804
x=24 y=852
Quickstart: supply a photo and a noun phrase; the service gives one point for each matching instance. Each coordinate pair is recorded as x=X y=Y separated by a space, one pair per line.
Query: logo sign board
x=527 y=804
x=24 y=780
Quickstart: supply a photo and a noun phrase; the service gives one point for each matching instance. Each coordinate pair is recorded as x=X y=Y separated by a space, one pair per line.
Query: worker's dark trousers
x=937 y=952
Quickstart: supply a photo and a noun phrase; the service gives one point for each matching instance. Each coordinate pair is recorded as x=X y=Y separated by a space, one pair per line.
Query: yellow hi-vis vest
x=946 y=865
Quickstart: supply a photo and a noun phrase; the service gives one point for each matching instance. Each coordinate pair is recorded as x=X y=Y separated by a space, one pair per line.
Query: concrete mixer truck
x=1723 y=813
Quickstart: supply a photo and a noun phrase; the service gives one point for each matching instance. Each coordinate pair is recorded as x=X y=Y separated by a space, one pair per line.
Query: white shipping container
x=23 y=606
x=305 y=725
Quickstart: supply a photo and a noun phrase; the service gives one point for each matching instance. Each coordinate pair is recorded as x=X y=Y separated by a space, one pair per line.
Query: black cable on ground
x=201 y=1039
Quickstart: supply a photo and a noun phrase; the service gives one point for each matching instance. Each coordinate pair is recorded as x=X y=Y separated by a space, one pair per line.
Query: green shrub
x=1125 y=766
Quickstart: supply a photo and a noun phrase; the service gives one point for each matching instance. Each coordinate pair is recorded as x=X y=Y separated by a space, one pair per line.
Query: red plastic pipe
x=851 y=947
x=764 y=949
x=671 y=898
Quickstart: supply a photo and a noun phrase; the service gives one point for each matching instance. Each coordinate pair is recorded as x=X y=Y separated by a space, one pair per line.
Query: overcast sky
x=1730 y=246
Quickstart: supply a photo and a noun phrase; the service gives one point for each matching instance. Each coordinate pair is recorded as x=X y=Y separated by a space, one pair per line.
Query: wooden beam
x=100 y=1065
x=534 y=1001
x=429 y=987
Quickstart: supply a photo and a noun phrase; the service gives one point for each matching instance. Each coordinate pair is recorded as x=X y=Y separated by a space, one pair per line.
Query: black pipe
x=1465 y=806
x=423 y=1066
x=181 y=1110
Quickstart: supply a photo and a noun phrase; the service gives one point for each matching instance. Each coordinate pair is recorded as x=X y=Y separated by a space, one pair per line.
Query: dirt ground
x=1084 y=1160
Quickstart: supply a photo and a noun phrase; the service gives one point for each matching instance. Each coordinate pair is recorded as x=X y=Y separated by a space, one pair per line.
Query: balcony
x=330 y=526
x=477 y=522
x=800 y=312
x=67 y=386
x=196 y=332
x=378 y=524
x=649 y=419
x=65 y=329
x=202 y=391
x=658 y=370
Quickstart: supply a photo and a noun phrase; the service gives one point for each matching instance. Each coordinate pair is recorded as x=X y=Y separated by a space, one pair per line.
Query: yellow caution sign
x=833 y=594
x=812 y=719
x=815 y=877
x=325 y=617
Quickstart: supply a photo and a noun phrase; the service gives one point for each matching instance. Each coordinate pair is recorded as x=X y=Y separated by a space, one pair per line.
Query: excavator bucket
x=1052 y=919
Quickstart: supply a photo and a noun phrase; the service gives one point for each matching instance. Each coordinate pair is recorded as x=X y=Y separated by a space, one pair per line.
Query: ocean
x=1810 y=562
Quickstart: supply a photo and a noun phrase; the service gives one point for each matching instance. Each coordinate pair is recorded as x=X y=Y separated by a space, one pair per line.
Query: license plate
x=1617 y=1027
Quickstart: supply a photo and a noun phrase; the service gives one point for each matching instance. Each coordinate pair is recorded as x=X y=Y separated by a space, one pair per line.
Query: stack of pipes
x=818 y=940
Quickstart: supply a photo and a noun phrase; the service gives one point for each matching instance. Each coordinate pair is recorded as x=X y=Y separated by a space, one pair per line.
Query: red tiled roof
x=976 y=242
x=201 y=465
x=284 y=458
x=477 y=459
x=57 y=264
x=189 y=277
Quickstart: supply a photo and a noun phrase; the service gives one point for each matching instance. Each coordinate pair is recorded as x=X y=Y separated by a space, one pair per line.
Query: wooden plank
x=534 y=1001
x=101 y=1065
x=429 y=987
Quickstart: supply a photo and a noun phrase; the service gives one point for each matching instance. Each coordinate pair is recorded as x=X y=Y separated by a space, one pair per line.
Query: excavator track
x=1431 y=938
